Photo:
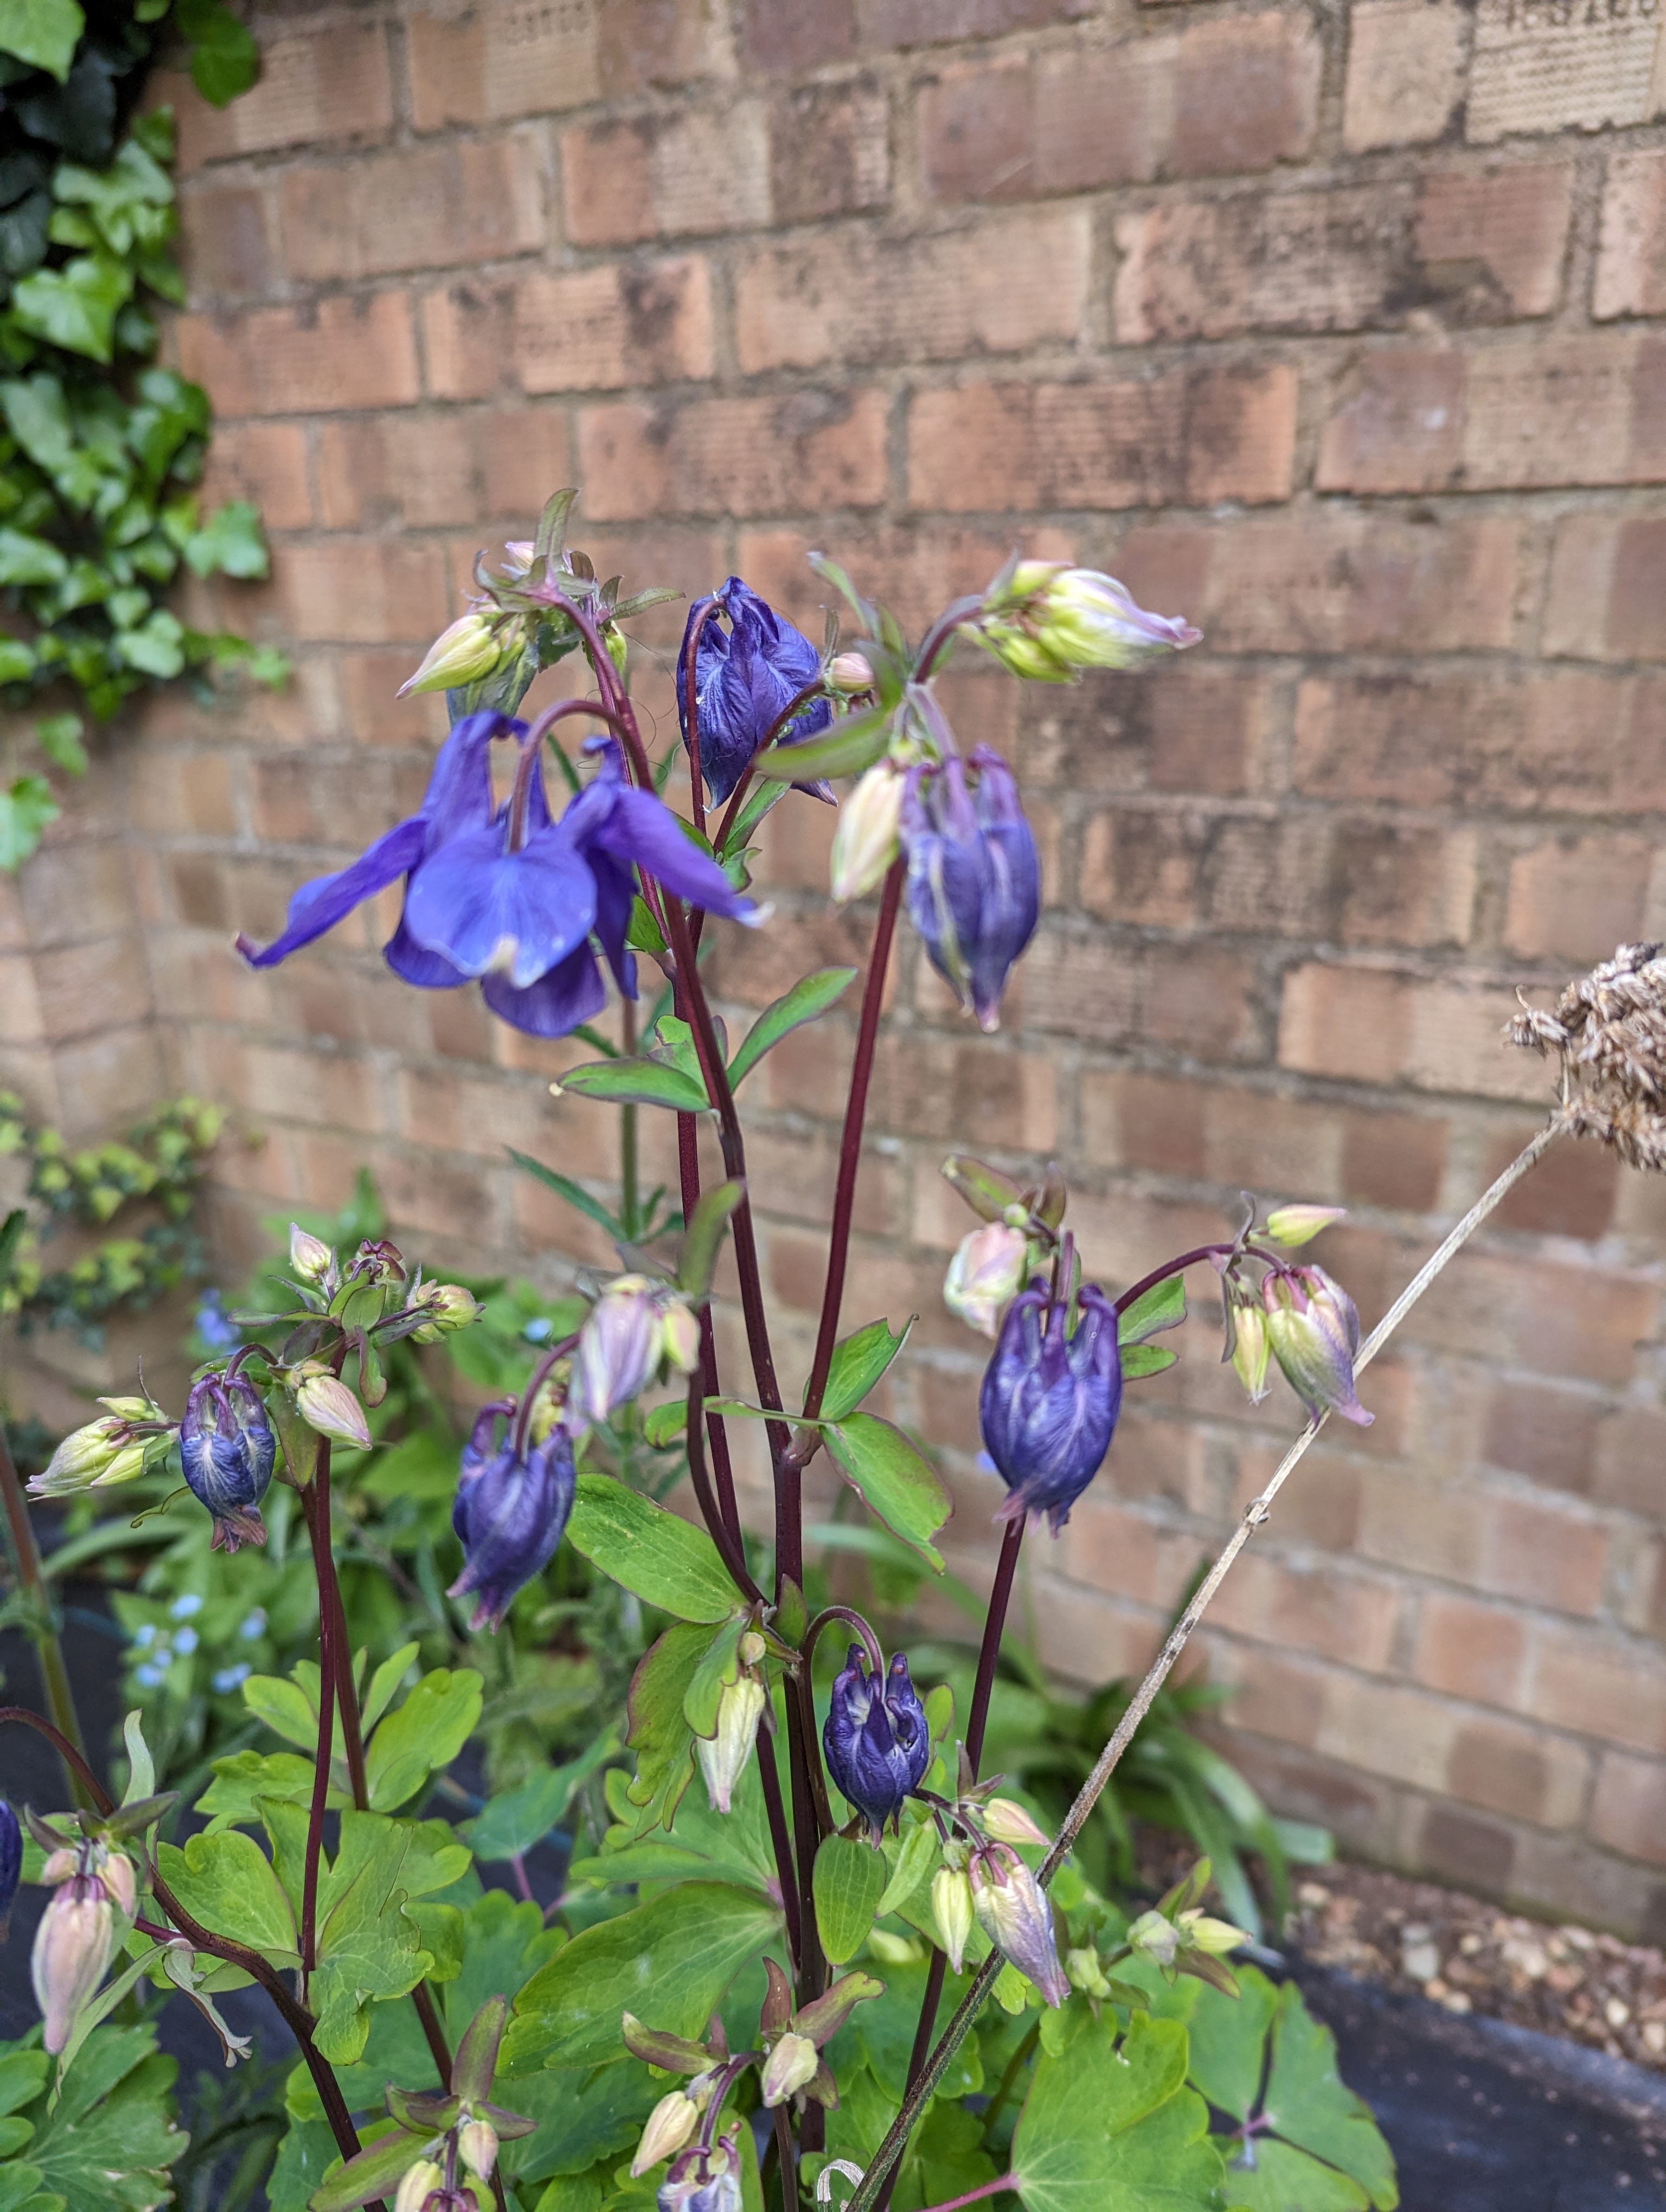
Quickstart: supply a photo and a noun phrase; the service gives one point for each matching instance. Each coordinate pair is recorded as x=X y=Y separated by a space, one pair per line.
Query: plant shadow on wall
x=101 y=447
x=794 y=1857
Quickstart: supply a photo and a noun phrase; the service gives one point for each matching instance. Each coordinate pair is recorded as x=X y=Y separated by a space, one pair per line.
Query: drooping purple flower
x=11 y=1862
x=510 y=1513
x=702 y=2179
x=228 y=1448
x=974 y=878
x=745 y=677
x=509 y=897
x=876 y=1739
x=1049 y=1403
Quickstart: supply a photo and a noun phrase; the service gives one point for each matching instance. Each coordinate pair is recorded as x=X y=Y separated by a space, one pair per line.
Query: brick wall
x=1342 y=332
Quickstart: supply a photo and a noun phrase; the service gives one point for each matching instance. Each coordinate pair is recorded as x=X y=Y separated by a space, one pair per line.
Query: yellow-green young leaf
x=665 y=1560
x=1111 y=2130
x=227 y=1883
x=717 y=1672
x=637 y=1083
x=245 y=1777
x=675 y=1955
x=285 y=1708
x=425 y=1733
x=850 y=1880
x=913 y=1869
x=659 y=1732
x=893 y=1478
x=388 y=1676
x=808 y=999
x=1141 y=1360
x=1162 y=1307
x=858 y=1360
x=43 y=33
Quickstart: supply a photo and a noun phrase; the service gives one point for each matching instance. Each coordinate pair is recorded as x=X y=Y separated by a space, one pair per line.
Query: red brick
x=1470 y=1650
x=424 y=469
x=1631 y=260
x=1508 y=225
x=265 y=463
x=1600 y=1685
x=502 y=58
x=1607 y=598
x=1013 y=282
x=652 y=45
x=926 y=22
x=786 y=36
x=677 y=174
x=1200 y=995
x=364 y=590
x=1526 y=1773
x=425 y=210
x=930 y=1087
x=1578 y=743
x=340 y=352
x=1578 y=896
x=1583 y=1323
x=324 y=87
x=1246 y=94
x=1143 y=867
x=1571 y=1192
x=1190 y=437
x=608 y=327
x=226 y=237
x=1400 y=426
x=1547 y=1435
x=1371 y=1025
x=829 y=150
x=1348 y=1618
x=806 y=450
x=1628 y=1811
x=1405 y=72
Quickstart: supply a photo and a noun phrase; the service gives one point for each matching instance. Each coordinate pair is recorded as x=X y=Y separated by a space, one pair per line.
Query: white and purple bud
x=1314 y=1329
x=703 y=2180
x=1298 y=1224
x=951 y=1913
x=1051 y=620
x=1049 y=1399
x=477 y=2146
x=326 y=1404
x=469 y=648
x=618 y=1348
x=1010 y=1824
x=849 y=674
x=310 y=1257
x=72 y=1949
x=791 y=2066
x=868 y=837
x=679 y=1344
x=973 y=883
x=416 y=2185
x=1014 y=1912
x=1251 y=1349
x=723 y=1757
x=227 y=1450
x=670 y=2125
x=986 y=1274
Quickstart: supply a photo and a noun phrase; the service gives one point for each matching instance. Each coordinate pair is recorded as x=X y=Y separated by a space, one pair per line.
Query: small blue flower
x=745 y=679
x=185 y=1643
x=876 y=1739
x=216 y=1333
x=510 y=897
x=11 y=1860
x=509 y=1514
x=232 y=1678
x=148 y=1678
x=145 y=1635
x=227 y=1450
x=973 y=883
x=252 y=1623
x=1048 y=1402
x=186 y=1608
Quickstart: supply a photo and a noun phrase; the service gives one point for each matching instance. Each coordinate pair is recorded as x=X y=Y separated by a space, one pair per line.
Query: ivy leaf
x=858 y=1360
x=228 y=1882
x=894 y=1480
x=59 y=737
x=850 y=1880
x=27 y=809
x=25 y=559
x=660 y=1557
x=1105 y=2130
x=75 y=306
x=225 y=60
x=43 y=33
x=1163 y=1307
x=111 y=2138
x=231 y=542
x=424 y=1734
x=675 y=1955
x=808 y=999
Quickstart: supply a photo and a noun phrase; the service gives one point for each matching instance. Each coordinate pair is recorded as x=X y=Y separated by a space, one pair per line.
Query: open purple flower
x=1048 y=1404
x=510 y=1513
x=509 y=897
x=745 y=677
x=974 y=878
x=227 y=1450
x=876 y=1739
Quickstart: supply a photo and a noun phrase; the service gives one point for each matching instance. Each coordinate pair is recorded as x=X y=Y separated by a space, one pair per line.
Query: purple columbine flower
x=1314 y=1329
x=228 y=1448
x=1049 y=1400
x=702 y=2179
x=11 y=1862
x=974 y=878
x=877 y=1741
x=744 y=678
x=510 y=896
x=510 y=1513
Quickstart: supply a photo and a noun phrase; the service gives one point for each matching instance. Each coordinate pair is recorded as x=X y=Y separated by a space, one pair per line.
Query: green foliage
x=108 y=2140
x=101 y=447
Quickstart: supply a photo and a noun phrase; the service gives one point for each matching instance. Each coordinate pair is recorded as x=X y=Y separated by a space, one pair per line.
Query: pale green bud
x=1052 y=620
x=868 y=837
x=849 y=673
x=670 y=2125
x=789 y=2067
x=86 y=1456
x=328 y=1405
x=722 y=1757
x=1204 y=1933
x=1152 y=1936
x=477 y=2146
x=1084 y=1973
x=128 y=1464
x=309 y=1257
x=1011 y=1824
x=449 y=1306
x=986 y=1274
x=463 y=653
x=679 y=1336
x=1296 y=1224
x=1251 y=1349
x=416 y=2185
x=951 y=1913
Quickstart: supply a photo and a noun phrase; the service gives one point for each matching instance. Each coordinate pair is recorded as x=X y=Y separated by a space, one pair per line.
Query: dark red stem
x=315 y=1503
x=1169 y=1267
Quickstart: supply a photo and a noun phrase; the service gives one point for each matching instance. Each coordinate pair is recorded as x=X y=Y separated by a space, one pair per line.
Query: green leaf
x=672 y=1958
x=580 y=2118
x=718 y=1671
x=59 y=737
x=424 y=1734
x=385 y=1683
x=808 y=999
x=285 y=1708
x=915 y=1858
x=858 y=1360
x=852 y=745
x=1147 y=1360
x=564 y=1187
x=665 y=1424
x=1105 y=2130
x=513 y=1821
x=893 y=1478
x=850 y=1879
x=111 y=2138
x=376 y=2172
x=228 y=1882
x=245 y=1777
x=22 y=2077
x=43 y=33
x=75 y=306
x=1284 y=2179
x=635 y=1083
x=368 y=1947
x=659 y=1732
x=703 y=1240
x=231 y=542
x=661 y=1558
x=1309 y=2105
x=1229 y=2041
x=225 y=60
x=16 y=661
x=28 y=560
x=1162 y=1307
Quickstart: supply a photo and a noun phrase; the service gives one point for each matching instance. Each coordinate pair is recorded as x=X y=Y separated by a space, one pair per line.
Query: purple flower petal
x=320 y=904
x=570 y=992
x=489 y=910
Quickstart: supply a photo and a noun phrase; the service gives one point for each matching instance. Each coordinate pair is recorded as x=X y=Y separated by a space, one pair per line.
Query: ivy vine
x=101 y=447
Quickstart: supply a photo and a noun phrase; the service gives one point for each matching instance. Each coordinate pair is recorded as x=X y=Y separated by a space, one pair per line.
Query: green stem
x=628 y=1167
x=43 y=1628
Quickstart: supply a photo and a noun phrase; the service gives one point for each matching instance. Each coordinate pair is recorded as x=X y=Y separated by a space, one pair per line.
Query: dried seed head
x=1609 y=1033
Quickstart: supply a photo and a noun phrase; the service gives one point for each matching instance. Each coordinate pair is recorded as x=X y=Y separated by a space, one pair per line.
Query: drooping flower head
x=635 y=1327
x=745 y=679
x=78 y=1931
x=228 y=1448
x=1050 y=1400
x=1014 y=1912
x=876 y=1739
x=506 y=895
x=702 y=2180
x=510 y=1511
x=974 y=878
x=1313 y=1327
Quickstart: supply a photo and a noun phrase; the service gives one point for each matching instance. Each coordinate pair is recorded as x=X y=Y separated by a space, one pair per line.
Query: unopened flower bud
x=618 y=1348
x=468 y=649
x=670 y=2125
x=229 y=1450
x=679 y=1336
x=309 y=1255
x=1205 y=1933
x=1314 y=1332
x=1296 y=1224
x=1151 y=1937
x=1084 y=1971
x=722 y=1757
x=88 y=1456
x=477 y=2146
x=790 y=2065
x=1015 y=1915
x=60 y=1865
x=867 y=838
x=116 y=1874
x=951 y=1913
x=126 y=1467
x=985 y=1275
x=849 y=673
x=71 y=1951
x=416 y=2185
x=327 y=1405
x=448 y=1307
x=1251 y=1349
x=1010 y=1824
x=1051 y=620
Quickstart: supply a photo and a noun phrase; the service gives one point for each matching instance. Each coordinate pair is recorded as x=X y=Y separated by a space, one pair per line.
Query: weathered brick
x=1399 y=426
x=340 y=352
x=1190 y=437
x=1578 y=896
x=1348 y=1618
x=1459 y=1848
x=1631 y=260
x=1526 y=1773
x=1600 y=1685
x=997 y=1098
x=434 y=468
x=1470 y=1650
x=1571 y=1192
x=1492 y=243
x=614 y=326
x=652 y=45
x=426 y=209
x=1607 y=597
x=805 y=449
x=1246 y=94
x=677 y=174
x=1375 y=1025
x=365 y=590
x=328 y=85
x=1404 y=72
x=1628 y=1811
x=265 y=463
x=1549 y=1435
x=1012 y=283
x=829 y=150
x=925 y=22
x=786 y=36
x=502 y=58
x=226 y=243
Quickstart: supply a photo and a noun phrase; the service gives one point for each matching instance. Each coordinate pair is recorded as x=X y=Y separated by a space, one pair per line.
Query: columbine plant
x=838 y=1823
